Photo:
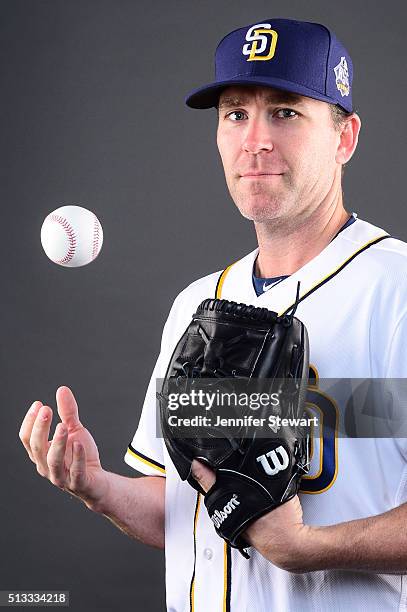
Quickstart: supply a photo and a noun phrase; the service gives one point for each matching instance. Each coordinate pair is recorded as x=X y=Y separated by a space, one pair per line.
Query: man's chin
x=260 y=214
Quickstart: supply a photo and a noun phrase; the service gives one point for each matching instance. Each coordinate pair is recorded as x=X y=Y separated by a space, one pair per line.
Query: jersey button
x=208 y=553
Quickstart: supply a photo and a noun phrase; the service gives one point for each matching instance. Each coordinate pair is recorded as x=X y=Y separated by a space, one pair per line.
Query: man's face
x=278 y=152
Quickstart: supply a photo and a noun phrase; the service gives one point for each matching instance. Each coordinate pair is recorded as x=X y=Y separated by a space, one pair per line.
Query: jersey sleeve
x=145 y=451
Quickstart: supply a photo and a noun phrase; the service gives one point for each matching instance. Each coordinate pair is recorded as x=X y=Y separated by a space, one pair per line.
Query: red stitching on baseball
x=71 y=238
x=96 y=236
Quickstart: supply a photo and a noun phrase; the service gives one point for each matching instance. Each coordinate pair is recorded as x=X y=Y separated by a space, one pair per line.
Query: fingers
x=56 y=456
x=39 y=443
x=63 y=466
x=27 y=426
x=68 y=408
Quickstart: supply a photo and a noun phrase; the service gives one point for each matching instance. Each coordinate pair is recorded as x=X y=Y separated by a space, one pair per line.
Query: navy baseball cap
x=297 y=56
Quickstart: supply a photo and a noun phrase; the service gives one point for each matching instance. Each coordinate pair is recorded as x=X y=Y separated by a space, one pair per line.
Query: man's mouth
x=255 y=174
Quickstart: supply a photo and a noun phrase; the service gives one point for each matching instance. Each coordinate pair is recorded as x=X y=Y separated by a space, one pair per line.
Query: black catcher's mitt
x=225 y=344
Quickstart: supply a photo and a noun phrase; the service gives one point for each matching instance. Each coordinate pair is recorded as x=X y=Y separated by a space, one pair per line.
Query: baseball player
x=286 y=128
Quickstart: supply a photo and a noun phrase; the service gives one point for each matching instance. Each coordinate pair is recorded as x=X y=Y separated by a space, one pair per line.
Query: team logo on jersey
x=342 y=77
x=262 y=42
x=219 y=516
x=274 y=461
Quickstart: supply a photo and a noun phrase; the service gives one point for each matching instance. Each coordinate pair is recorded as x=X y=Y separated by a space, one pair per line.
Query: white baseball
x=72 y=236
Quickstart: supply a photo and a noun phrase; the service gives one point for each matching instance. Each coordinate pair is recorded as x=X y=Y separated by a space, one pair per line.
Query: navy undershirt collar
x=261 y=285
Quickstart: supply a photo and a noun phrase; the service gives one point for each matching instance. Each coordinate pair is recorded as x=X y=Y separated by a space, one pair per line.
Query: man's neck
x=285 y=248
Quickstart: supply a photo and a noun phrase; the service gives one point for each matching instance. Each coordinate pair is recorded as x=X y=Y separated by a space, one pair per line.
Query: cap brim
x=208 y=96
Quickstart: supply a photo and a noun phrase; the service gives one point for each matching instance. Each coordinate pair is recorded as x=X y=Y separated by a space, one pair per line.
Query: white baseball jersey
x=354 y=305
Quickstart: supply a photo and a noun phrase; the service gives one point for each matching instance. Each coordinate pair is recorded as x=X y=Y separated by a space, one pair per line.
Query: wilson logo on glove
x=271 y=463
x=221 y=515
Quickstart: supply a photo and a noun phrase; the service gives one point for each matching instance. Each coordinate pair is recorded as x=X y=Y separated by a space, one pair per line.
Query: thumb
x=67 y=408
x=203 y=474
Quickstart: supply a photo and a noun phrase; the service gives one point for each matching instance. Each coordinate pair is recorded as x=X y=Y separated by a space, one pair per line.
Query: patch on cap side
x=342 y=77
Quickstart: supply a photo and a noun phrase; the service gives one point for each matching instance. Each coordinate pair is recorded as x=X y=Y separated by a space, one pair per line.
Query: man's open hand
x=71 y=459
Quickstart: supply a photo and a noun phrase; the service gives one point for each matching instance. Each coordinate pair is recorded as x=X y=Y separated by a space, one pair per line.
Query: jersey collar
x=236 y=281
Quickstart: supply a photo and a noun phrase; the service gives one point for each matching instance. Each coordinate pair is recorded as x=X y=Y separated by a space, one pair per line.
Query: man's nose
x=258 y=136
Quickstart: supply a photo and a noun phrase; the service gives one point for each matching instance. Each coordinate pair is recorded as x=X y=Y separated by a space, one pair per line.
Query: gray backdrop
x=92 y=113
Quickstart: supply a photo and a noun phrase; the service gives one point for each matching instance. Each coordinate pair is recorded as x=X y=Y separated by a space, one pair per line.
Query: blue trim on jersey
x=262 y=285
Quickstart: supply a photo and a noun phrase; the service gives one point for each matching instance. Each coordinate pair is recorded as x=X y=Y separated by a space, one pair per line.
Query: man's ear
x=349 y=136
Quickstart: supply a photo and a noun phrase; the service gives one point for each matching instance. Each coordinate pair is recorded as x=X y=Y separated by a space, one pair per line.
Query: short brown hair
x=339 y=116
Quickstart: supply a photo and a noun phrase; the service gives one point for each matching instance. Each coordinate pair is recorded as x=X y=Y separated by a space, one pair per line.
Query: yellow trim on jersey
x=192 y=594
x=222 y=280
x=225 y=576
x=149 y=463
x=316 y=374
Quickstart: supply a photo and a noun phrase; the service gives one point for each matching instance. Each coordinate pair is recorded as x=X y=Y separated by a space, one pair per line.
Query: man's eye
x=236 y=115
x=286 y=113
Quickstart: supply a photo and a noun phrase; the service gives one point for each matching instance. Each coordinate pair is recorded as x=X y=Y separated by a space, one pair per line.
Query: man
x=286 y=128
